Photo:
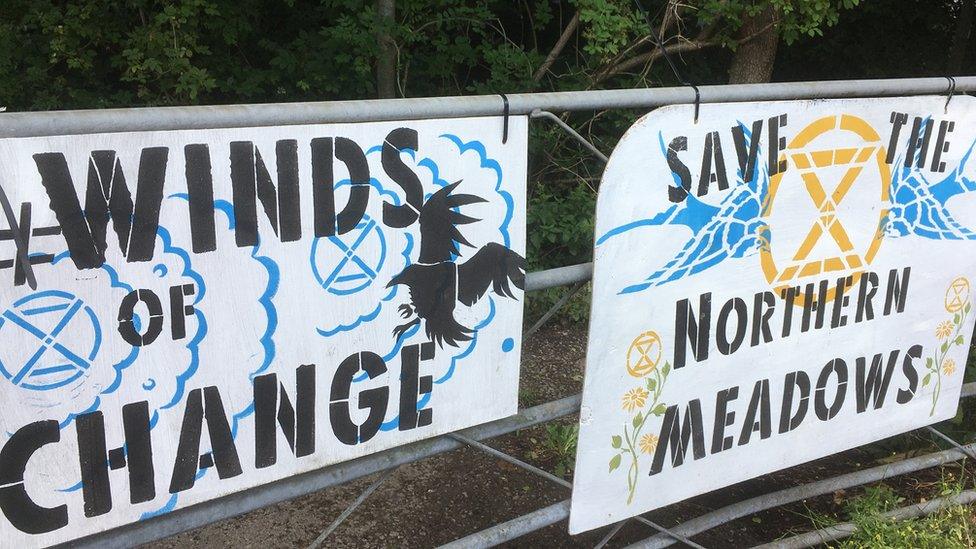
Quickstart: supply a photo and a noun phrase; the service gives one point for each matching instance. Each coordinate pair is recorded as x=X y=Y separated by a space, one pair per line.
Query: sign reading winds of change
x=212 y=310
x=773 y=284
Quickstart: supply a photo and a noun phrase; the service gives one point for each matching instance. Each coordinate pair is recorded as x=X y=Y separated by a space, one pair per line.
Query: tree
x=111 y=53
x=756 y=51
x=386 y=57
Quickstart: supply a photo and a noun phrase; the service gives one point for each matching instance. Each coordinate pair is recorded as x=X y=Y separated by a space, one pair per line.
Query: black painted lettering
x=678 y=437
x=825 y=412
x=375 y=400
x=686 y=327
x=203 y=406
x=273 y=405
x=107 y=198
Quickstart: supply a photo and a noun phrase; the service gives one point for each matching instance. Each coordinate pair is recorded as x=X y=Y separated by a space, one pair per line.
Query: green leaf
x=958 y=340
x=651 y=384
x=955 y=318
x=614 y=462
x=666 y=370
x=967 y=307
x=637 y=420
x=926 y=379
x=659 y=410
x=928 y=363
x=615 y=441
x=945 y=346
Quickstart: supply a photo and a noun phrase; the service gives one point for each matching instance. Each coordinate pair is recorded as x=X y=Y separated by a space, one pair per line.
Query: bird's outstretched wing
x=494 y=265
x=919 y=206
x=736 y=231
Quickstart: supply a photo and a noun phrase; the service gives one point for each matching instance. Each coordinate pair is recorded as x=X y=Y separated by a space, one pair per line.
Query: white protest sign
x=773 y=284
x=217 y=309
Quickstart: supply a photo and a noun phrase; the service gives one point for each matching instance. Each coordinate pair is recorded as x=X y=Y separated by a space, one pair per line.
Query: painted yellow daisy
x=648 y=443
x=634 y=399
x=948 y=366
x=944 y=329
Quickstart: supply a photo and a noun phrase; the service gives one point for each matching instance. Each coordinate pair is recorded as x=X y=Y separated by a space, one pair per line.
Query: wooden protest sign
x=211 y=310
x=773 y=283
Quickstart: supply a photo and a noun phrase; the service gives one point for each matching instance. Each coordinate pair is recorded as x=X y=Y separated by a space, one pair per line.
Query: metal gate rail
x=537 y=105
x=31 y=124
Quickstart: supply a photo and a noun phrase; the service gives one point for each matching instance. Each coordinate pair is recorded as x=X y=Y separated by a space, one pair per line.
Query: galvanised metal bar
x=667 y=532
x=573 y=290
x=285 y=489
x=515 y=528
x=30 y=124
x=613 y=532
x=841 y=531
x=569 y=129
x=791 y=495
x=479 y=539
x=950 y=440
x=349 y=510
x=560 y=276
x=510 y=459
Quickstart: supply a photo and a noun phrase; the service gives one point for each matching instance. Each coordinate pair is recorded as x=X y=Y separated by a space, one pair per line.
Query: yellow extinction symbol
x=957 y=294
x=810 y=164
x=644 y=354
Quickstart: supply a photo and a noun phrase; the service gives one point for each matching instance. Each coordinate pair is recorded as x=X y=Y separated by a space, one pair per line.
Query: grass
x=949 y=528
x=559 y=446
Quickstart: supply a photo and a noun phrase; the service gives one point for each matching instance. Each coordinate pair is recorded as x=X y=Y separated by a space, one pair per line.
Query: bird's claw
x=400 y=330
x=405 y=311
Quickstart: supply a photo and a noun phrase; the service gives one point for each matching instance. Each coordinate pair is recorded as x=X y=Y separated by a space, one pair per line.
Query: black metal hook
x=664 y=54
x=697 y=100
x=950 y=92
x=505 y=120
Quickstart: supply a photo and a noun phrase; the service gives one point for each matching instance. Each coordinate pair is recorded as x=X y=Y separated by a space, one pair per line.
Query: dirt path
x=458 y=493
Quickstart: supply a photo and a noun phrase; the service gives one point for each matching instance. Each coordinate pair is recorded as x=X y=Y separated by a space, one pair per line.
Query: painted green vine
x=950 y=333
x=646 y=402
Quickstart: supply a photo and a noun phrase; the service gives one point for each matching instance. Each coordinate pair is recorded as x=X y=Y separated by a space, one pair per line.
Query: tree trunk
x=960 y=39
x=386 y=59
x=754 y=58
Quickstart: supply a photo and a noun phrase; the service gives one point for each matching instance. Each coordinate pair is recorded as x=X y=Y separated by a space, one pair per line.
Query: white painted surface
x=258 y=310
x=642 y=251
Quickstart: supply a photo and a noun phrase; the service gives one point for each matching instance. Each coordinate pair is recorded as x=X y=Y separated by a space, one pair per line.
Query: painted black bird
x=437 y=282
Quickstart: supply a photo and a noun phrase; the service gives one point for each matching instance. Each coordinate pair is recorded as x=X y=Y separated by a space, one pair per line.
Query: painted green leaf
x=955 y=318
x=614 y=462
x=651 y=384
x=659 y=410
x=928 y=363
x=615 y=441
x=945 y=346
x=637 y=420
x=967 y=307
x=925 y=380
x=958 y=340
x=666 y=370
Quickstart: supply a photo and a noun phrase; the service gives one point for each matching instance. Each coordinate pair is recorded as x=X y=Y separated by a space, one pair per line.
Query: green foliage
x=560 y=224
x=119 y=53
x=560 y=443
x=952 y=527
x=608 y=26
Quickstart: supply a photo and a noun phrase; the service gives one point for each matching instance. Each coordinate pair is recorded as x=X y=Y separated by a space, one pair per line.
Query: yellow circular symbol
x=957 y=294
x=644 y=354
x=811 y=166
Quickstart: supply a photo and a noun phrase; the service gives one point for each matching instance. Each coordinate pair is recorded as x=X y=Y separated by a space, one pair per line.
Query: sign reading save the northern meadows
x=774 y=283
x=205 y=311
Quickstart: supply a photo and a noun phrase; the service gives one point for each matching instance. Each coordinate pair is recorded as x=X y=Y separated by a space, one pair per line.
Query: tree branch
x=564 y=39
x=648 y=57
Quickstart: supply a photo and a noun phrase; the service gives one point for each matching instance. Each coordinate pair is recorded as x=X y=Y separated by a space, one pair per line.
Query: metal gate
x=538 y=106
